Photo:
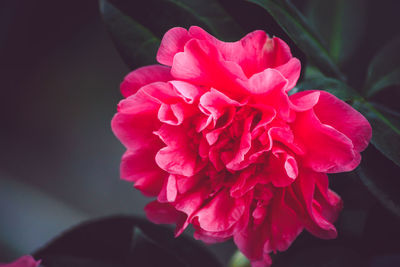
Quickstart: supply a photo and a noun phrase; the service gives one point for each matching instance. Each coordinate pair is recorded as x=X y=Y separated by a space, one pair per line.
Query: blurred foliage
x=124 y=241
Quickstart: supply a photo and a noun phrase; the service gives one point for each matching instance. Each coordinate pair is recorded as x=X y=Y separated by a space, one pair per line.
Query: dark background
x=59 y=78
x=59 y=160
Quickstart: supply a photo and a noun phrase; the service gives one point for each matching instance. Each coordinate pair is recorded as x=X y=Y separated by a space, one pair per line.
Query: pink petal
x=161 y=92
x=265 y=82
x=143 y=76
x=269 y=88
x=284 y=224
x=251 y=240
x=281 y=168
x=291 y=71
x=191 y=201
x=317 y=219
x=334 y=112
x=254 y=53
x=165 y=213
x=172 y=43
x=187 y=91
x=24 y=261
x=169 y=190
x=305 y=100
x=266 y=261
x=327 y=150
x=237 y=160
x=220 y=213
x=215 y=103
x=137 y=110
x=202 y=65
x=181 y=161
x=185 y=184
x=140 y=167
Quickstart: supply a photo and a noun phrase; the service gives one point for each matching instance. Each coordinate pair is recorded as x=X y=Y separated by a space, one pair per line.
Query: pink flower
x=213 y=134
x=24 y=261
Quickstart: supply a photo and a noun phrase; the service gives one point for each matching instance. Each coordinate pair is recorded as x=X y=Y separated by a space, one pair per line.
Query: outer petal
x=305 y=100
x=327 y=150
x=172 y=43
x=269 y=88
x=334 y=112
x=254 y=53
x=291 y=71
x=137 y=110
x=143 y=76
x=308 y=191
x=283 y=222
x=165 y=213
x=139 y=167
x=24 y=261
x=202 y=64
x=221 y=213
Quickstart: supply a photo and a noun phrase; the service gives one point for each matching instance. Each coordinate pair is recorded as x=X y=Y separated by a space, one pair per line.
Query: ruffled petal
x=281 y=168
x=24 y=261
x=137 y=110
x=253 y=53
x=143 y=76
x=283 y=222
x=305 y=100
x=318 y=219
x=291 y=71
x=165 y=213
x=327 y=150
x=139 y=167
x=220 y=213
x=169 y=190
x=172 y=43
x=202 y=65
x=187 y=91
x=334 y=112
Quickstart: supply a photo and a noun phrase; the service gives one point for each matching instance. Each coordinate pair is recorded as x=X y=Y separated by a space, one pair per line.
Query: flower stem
x=239 y=260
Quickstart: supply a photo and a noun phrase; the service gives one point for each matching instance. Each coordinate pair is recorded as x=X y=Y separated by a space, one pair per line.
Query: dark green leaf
x=218 y=21
x=380 y=176
x=299 y=30
x=341 y=24
x=327 y=256
x=138 y=26
x=136 y=44
x=384 y=69
x=333 y=86
x=124 y=241
x=385 y=129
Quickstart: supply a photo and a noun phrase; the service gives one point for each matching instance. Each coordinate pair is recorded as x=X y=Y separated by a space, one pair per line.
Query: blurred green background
x=60 y=78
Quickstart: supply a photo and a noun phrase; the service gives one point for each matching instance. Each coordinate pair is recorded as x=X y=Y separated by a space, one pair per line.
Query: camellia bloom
x=213 y=134
x=24 y=261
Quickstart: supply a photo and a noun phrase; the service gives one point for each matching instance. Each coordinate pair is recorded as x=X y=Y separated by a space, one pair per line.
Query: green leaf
x=333 y=86
x=218 y=21
x=136 y=44
x=124 y=241
x=326 y=256
x=385 y=129
x=138 y=26
x=341 y=24
x=299 y=30
x=384 y=69
x=380 y=176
